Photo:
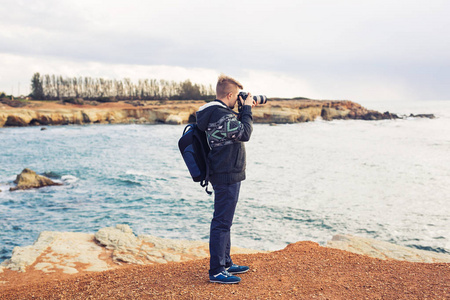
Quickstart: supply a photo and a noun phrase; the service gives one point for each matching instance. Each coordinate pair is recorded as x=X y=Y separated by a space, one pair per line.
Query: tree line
x=52 y=87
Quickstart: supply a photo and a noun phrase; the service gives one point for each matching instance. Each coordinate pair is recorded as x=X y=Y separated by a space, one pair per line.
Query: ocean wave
x=146 y=174
x=52 y=174
x=429 y=248
x=124 y=182
x=70 y=179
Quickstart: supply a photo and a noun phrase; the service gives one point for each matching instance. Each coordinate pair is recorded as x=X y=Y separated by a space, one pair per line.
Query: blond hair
x=225 y=85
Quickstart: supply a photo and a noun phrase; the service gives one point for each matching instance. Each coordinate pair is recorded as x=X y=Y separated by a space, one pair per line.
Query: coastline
x=284 y=274
x=43 y=113
x=300 y=270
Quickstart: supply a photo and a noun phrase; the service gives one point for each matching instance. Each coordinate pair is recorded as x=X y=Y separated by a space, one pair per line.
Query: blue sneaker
x=224 y=277
x=235 y=269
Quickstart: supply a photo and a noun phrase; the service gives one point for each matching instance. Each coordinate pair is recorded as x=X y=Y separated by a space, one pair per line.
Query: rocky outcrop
x=113 y=247
x=111 y=113
x=28 y=179
x=65 y=251
x=385 y=250
x=180 y=112
x=109 y=248
x=428 y=116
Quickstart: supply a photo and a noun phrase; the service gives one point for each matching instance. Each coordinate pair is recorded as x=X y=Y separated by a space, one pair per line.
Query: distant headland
x=20 y=113
x=57 y=100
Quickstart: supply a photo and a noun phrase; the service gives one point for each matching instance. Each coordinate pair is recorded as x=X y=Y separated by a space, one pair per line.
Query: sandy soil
x=303 y=270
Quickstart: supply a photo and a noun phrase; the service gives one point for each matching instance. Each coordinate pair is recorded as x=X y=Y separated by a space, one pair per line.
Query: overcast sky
x=323 y=49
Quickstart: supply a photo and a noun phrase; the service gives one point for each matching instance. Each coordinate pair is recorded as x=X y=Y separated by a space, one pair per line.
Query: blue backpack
x=194 y=148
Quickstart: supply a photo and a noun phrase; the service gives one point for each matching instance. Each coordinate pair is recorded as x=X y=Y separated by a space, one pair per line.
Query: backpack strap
x=204 y=183
x=217 y=104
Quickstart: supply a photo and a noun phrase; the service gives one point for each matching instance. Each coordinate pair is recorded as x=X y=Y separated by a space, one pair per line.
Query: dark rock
x=429 y=116
x=86 y=118
x=15 y=121
x=372 y=115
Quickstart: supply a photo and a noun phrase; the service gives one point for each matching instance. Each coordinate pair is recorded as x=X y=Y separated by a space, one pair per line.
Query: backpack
x=194 y=148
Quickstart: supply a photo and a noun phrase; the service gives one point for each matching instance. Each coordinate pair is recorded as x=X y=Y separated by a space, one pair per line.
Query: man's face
x=233 y=97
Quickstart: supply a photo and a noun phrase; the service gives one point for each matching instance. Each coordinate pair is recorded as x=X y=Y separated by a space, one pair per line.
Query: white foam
x=69 y=179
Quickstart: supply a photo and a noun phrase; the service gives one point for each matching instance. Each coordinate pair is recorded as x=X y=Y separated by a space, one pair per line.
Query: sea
x=387 y=180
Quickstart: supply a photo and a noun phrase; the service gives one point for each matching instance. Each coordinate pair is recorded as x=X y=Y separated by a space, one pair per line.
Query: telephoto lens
x=259 y=99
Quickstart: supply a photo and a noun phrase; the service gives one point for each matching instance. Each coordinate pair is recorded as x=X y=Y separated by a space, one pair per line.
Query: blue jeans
x=225 y=200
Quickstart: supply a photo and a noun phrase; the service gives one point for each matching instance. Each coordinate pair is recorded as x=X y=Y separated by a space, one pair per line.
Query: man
x=226 y=133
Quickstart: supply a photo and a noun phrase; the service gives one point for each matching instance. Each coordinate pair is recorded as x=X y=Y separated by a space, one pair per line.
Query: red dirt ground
x=303 y=270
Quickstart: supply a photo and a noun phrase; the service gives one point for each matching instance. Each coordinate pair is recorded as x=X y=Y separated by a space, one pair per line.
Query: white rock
x=62 y=250
x=67 y=270
x=174 y=119
x=72 y=252
x=385 y=250
x=25 y=256
x=172 y=257
x=46 y=267
x=120 y=237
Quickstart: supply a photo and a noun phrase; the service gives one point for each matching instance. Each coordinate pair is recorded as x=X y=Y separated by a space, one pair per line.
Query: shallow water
x=386 y=180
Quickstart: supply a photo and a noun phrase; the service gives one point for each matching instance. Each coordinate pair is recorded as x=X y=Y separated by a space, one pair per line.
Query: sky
x=363 y=50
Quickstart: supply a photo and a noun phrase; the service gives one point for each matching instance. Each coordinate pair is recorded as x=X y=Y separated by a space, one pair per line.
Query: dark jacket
x=225 y=134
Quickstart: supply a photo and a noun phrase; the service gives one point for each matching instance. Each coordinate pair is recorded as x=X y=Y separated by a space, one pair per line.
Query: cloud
x=321 y=47
x=73 y=68
x=273 y=84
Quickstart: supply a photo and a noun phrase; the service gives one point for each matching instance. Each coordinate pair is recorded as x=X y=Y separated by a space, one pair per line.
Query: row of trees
x=51 y=87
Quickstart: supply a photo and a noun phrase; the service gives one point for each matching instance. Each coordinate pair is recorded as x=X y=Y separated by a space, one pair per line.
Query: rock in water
x=28 y=179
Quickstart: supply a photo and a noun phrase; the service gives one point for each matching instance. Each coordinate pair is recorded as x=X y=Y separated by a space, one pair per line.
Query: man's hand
x=249 y=100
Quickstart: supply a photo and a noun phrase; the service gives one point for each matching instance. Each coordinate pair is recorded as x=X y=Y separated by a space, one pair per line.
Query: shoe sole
x=232 y=273
x=214 y=281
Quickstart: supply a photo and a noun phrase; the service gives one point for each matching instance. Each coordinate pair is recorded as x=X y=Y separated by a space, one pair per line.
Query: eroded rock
x=174 y=119
x=109 y=248
x=66 y=251
x=28 y=179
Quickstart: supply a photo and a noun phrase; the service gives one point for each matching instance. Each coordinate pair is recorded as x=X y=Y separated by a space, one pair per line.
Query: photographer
x=225 y=133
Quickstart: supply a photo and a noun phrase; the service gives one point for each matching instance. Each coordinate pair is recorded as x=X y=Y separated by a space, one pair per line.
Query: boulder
x=28 y=179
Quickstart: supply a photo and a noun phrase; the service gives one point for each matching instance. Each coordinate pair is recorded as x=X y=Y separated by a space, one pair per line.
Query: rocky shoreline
x=43 y=113
x=112 y=247
x=115 y=263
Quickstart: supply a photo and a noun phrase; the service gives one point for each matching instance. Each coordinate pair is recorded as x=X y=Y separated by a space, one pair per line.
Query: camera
x=260 y=99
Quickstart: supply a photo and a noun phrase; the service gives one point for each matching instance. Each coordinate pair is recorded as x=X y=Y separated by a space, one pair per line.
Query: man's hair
x=225 y=85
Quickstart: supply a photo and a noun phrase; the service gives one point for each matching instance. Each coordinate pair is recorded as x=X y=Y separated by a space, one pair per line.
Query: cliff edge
x=42 y=113
x=303 y=270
